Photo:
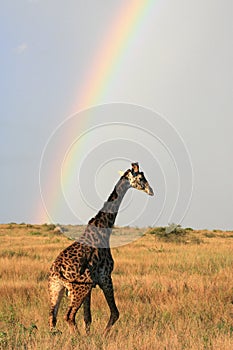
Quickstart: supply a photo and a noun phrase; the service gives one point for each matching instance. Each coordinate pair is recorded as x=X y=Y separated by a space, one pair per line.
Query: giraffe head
x=137 y=179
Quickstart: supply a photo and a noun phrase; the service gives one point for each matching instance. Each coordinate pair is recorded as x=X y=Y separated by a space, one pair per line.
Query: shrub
x=35 y=233
x=48 y=227
x=174 y=233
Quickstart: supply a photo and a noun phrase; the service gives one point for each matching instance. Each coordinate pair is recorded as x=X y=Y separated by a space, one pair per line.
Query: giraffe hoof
x=55 y=331
x=106 y=332
x=73 y=329
x=87 y=329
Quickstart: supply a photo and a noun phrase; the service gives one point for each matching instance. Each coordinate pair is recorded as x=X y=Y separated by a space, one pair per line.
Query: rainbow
x=106 y=64
x=107 y=61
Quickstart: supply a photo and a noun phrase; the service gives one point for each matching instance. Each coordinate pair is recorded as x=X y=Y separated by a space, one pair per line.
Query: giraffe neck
x=111 y=207
x=99 y=227
x=107 y=215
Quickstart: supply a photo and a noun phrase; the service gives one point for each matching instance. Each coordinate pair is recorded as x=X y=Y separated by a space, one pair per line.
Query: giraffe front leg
x=87 y=312
x=108 y=290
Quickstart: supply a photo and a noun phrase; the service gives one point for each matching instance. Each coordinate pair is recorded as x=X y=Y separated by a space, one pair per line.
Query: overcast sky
x=166 y=102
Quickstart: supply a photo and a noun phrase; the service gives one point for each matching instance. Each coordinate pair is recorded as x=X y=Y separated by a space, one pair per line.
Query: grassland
x=174 y=291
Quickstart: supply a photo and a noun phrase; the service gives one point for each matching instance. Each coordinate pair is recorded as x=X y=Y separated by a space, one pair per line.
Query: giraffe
x=88 y=262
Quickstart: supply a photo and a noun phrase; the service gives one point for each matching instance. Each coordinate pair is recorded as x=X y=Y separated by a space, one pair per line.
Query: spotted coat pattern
x=88 y=262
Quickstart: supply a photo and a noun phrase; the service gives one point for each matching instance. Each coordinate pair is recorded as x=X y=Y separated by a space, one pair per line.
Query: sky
x=88 y=87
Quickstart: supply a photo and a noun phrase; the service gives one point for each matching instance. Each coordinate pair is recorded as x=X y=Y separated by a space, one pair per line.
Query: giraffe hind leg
x=77 y=293
x=56 y=291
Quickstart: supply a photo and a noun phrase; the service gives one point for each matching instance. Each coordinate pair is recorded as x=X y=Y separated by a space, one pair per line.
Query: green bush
x=35 y=233
x=174 y=233
x=48 y=227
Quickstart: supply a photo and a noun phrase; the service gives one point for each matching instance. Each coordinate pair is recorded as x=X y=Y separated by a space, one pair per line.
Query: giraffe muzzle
x=149 y=191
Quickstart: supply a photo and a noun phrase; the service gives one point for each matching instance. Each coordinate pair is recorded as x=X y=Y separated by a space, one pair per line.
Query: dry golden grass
x=171 y=293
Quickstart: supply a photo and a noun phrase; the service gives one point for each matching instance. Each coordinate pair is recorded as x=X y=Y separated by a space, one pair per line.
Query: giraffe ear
x=121 y=173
